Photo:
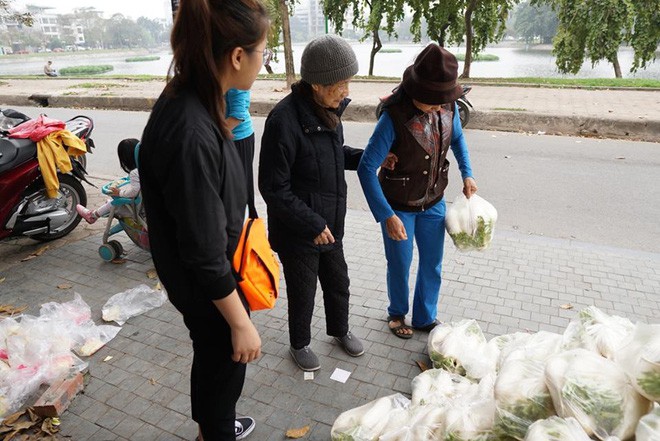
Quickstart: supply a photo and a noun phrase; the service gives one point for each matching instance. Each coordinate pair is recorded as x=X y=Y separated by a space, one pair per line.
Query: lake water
x=513 y=62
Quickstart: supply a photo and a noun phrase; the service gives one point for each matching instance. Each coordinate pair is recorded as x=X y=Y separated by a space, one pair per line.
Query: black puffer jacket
x=301 y=174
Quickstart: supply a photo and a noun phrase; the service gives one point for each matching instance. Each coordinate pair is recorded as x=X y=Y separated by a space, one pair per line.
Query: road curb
x=629 y=129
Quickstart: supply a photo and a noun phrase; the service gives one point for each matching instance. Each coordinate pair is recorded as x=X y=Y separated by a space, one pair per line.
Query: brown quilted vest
x=420 y=176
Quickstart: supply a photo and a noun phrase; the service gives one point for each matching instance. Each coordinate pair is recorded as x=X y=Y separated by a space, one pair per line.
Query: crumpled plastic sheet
x=135 y=301
x=38 y=350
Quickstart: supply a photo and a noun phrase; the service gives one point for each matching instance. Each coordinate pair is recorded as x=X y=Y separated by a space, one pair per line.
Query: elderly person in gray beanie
x=301 y=178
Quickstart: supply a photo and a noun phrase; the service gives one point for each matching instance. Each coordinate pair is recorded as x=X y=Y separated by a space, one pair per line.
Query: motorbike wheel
x=463 y=113
x=73 y=193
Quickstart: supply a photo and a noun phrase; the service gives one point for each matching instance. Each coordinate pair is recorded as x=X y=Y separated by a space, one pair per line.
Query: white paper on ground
x=340 y=375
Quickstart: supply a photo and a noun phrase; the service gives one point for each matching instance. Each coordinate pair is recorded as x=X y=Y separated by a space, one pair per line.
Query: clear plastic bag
x=132 y=302
x=640 y=359
x=461 y=348
x=596 y=392
x=648 y=428
x=75 y=311
x=471 y=222
x=596 y=331
x=366 y=423
x=521 y=396
x=556 y=429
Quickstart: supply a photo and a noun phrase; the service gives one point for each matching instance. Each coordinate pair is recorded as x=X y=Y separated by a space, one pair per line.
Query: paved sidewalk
x=520 y=283
x=626 y=114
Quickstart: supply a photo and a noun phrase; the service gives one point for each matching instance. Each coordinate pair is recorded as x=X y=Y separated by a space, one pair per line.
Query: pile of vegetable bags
x=597 y=380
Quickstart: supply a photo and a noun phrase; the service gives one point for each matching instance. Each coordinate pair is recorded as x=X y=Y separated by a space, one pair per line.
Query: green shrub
x=390 y=50
x=136 y=59
x=480 y=57
x=86 y=70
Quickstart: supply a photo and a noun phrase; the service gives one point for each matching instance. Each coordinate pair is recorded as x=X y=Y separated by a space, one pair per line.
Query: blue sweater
x=238 y=106
x=377 y=149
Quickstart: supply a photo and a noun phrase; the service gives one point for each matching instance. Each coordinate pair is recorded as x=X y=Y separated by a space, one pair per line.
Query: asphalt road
x=604 y=192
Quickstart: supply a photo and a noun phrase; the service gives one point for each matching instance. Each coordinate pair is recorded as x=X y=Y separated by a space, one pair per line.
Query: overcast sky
x=130 y=8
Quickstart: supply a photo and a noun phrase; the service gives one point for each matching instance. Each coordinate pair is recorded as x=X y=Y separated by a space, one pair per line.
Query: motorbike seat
x=14 y=152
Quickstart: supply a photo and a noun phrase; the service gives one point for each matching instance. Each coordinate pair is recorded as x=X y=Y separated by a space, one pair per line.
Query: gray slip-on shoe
x=305 y=358
x=351 y=344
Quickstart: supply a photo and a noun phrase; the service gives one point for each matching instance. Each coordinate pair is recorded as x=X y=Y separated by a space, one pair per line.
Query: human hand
x=246 y=343
x=324 y=238
x=469 y=187
x=114 y=191
x=390 y=161
x=395 y=228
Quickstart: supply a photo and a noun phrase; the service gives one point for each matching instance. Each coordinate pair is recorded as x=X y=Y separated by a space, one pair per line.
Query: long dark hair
x=126 y=153
x=204 y=34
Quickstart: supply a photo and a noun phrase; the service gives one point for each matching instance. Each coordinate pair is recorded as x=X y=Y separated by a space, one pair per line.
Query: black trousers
x=301 y=271
x=216 y=381
x=245 y=149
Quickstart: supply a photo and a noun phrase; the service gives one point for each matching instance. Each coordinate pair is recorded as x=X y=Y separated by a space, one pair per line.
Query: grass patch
x=511 y=109
x=389 y=50
x=96 y=86
x=3 y=83
x=86 y=70
x=571 y=82
x=70 y=93
x=480 y=57
x=137 y=59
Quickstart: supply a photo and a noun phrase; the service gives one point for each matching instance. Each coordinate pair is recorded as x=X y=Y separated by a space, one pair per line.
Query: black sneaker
x=244 y=426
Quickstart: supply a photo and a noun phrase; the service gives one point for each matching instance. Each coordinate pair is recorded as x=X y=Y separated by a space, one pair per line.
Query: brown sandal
x=397 y=330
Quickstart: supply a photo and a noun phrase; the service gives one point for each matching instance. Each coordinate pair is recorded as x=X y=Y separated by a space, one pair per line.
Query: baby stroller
x=130 y=217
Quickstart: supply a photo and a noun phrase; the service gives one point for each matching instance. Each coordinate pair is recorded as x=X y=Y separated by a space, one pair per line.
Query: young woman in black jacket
x=194 y=192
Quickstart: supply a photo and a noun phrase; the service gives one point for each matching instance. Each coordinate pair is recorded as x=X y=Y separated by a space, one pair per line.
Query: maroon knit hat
x=432 y=77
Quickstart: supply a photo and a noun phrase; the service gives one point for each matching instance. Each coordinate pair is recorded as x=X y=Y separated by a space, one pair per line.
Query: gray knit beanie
x=328 y=59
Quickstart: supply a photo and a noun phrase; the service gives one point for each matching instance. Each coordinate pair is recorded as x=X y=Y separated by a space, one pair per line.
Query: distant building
x=45 y=21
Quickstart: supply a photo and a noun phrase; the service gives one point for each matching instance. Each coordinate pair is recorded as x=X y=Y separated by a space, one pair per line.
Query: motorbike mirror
x=15 y=114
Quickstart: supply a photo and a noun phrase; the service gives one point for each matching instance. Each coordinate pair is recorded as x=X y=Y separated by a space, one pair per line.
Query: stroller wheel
x=119 y=249
x=107 y=252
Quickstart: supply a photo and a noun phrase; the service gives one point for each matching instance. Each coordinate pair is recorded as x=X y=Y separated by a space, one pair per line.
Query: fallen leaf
x=11 y=419
x=11 y=310
x=152 y=273
x=620 y=157
x=64 y=286
x=566 y=306
x=108 y=358
x=422 y=366
x=297 y=433
x=49 y=427
x=276 y=89
x=30 y=257
x=152 y=381
x=158 y=287
x=118 y=261
x=2 y=279
x=41 y=250
x=506 y=156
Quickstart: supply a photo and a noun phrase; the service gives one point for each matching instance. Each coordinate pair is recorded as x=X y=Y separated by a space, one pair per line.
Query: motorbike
x=25 y=208
x=464 y=105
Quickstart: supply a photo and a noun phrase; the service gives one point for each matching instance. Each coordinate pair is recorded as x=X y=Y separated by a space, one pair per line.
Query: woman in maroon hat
x=419 y=124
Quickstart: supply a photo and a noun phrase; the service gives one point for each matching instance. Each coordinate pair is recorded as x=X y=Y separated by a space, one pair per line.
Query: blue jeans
x=428 y=230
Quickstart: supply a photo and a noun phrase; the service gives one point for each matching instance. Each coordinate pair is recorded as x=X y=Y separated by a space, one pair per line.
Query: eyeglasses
x=266 y=55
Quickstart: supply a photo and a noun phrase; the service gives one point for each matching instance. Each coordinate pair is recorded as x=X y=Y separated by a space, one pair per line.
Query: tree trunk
x=617 y=66
x=468 y=39
x=288 y=50
x=375 y=47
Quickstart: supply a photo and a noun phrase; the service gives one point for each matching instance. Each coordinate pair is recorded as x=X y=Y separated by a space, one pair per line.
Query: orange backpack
x=256 y=266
